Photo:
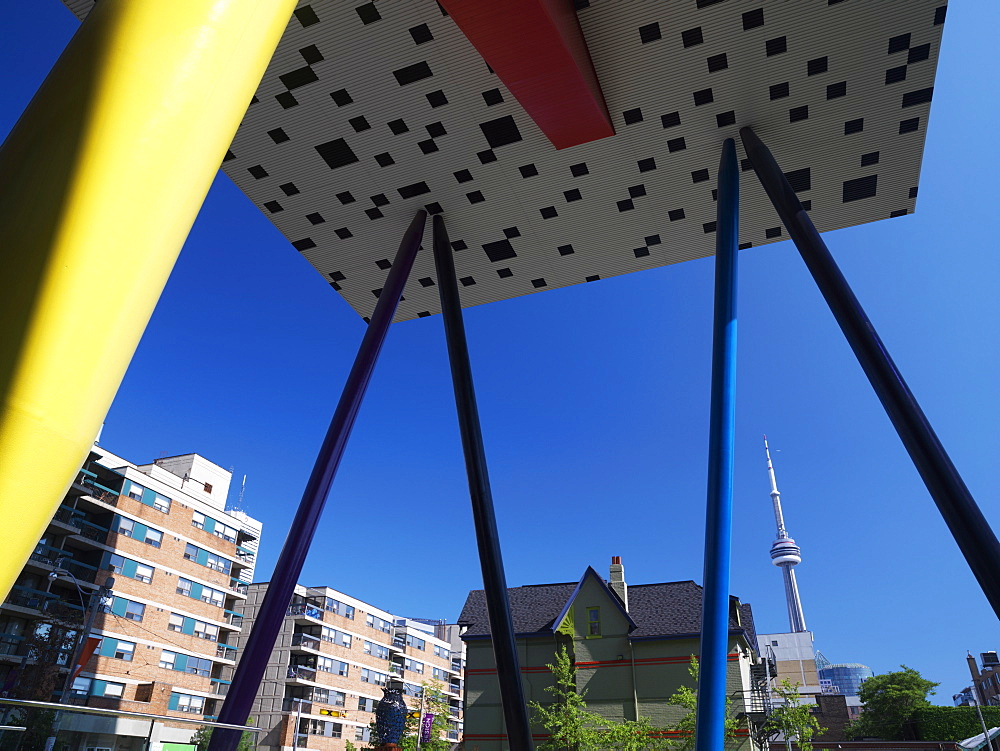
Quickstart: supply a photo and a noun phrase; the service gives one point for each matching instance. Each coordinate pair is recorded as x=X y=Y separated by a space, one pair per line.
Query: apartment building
x=334 y=655
x=181 y=565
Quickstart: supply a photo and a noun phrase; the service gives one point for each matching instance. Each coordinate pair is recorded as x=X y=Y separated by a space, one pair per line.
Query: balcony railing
x=301 y=608
x=305 y=640
x=225 y=651
x=220 y=689
x=238 y=586
x=100 y=492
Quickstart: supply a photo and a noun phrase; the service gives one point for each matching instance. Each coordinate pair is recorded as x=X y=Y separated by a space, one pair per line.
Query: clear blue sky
x=594 y=401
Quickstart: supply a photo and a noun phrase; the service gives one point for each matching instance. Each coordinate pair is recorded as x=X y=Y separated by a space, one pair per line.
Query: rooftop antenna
x=243 y=487
x=785 y=554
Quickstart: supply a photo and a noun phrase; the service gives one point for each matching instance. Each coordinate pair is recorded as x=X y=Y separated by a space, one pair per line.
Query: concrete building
x=334 y=655
x=794 y=658
x=181 y=563
x=631 y=645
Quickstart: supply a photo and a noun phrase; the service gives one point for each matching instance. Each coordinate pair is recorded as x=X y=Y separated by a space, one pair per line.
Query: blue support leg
x=968 y=526
x=714 y=657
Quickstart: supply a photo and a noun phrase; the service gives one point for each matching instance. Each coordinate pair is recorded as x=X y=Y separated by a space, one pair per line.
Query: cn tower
x=786 y=555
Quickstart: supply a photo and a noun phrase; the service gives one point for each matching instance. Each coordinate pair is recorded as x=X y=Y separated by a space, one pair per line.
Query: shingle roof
x=667 y=609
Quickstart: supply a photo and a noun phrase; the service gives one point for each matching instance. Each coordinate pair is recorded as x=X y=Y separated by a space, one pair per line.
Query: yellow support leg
x=100 y=182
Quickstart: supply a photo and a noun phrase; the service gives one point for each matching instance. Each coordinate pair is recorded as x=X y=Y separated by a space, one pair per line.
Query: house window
x=116 y=562
x=337 y=698
x=161 y=503
x=135 y=491
x=199 y=666
x=167 y=659
x=134 y=610
x=593 y=621
x=176 y=622
x=125 y=526
x=153 y=537
x=367 y=705
x=206 y=631
x=188 y=703
x=81 y=686
x=184 y=587
x=190 y=552
x=198 y=520
x=413 y=641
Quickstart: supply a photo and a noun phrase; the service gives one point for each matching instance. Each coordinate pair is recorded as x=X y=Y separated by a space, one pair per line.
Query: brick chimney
x=618 y=579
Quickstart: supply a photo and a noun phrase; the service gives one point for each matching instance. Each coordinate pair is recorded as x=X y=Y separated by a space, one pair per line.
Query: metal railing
x=300 y=608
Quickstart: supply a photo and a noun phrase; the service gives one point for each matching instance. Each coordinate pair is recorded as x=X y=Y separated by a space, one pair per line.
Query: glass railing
x=305 y=640
x=301 y=608
x=34 y=724
x=301 y=671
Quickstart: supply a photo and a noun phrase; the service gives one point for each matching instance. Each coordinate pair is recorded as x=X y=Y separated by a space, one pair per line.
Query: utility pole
x=977 y=700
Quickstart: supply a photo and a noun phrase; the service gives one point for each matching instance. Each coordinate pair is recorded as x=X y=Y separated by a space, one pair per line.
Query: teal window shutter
x=148 y=496
x=118 y=606
x=128 y=568
x=188 y=627
x=196 y=589
x=202 y=557
x=139 y=532
x=209 y=524
x=108 y=646
x=181 y=663
x=97 y=688
x=174 y=699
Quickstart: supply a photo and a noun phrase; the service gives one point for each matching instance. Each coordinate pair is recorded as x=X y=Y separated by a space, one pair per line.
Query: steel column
x=257 y=652
x=714 y=652
x=968 y=526
x=515 y=710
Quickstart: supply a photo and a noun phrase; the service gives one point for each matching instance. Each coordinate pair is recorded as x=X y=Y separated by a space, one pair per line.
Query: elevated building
x=164 y=639
x=334 y=655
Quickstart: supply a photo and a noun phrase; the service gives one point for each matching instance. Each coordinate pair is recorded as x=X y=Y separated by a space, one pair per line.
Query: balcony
x=99 y=492
x=234 y=619
x=307 y=641
x=301 y=672
x=225 y=651
x=219 y=688
x=455 y=688
x=237 y=586
x=309 y=611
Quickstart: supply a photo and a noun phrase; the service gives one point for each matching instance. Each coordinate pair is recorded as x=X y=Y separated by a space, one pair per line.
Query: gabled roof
x=612 y=595
x=670 y=609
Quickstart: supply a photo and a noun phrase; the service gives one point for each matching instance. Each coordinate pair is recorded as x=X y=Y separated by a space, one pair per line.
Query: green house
x=631 y=645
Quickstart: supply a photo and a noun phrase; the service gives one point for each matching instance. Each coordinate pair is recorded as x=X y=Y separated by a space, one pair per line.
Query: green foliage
x=891 y=701
x=952 y=723
x=572 y=727
x=203 y=735
x=39 y=724
x=686 y=697
x=792 y=719
x=435 y=701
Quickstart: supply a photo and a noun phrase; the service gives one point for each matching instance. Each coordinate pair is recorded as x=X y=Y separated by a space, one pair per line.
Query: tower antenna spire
x=785 y=554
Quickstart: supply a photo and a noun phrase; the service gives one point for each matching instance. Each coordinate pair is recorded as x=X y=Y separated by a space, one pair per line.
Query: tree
x=793 y=719
x=203 y=735
x=572 y=727
x=436 y=703
x=686 y=697
x=890 y=702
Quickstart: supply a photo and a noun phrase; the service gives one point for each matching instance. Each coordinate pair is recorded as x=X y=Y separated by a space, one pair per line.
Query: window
x=362 y=734
x=125 y=526
x=115 y=690
x=115 y=563
x=442 y=652
x=438 y=674
x=328 y=665
x=376 y=650
x=416 y=667
x=367 y=705
x=206 y=631
x=340 y=608
x=161 y=503
x=144 y=573
x=167 y=659
x=199 y=666
x=153 y=537
x=218 y=563
x=135 y=491
x=337 y=698
x=212 y=596
x=176 y=622
x=334 y=636
x=124 y=651
x=184 y=586
x=378 y=624
x=373 y=676
x=410 y=690
x=413 y=641
x=134 y=610
x=198 y=520
x=187 y=703
x=81 y=686
x=190 y=552
x=593 y=621
x=225 y=532
x=208 y=487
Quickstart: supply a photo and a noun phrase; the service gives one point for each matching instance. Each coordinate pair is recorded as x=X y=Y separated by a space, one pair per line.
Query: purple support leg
x=257 y=653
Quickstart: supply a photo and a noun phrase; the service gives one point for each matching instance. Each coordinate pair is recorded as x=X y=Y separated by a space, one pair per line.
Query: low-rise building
x=631 y=645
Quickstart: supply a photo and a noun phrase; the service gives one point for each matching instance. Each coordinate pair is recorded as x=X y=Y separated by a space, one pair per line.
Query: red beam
x=537 y=49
